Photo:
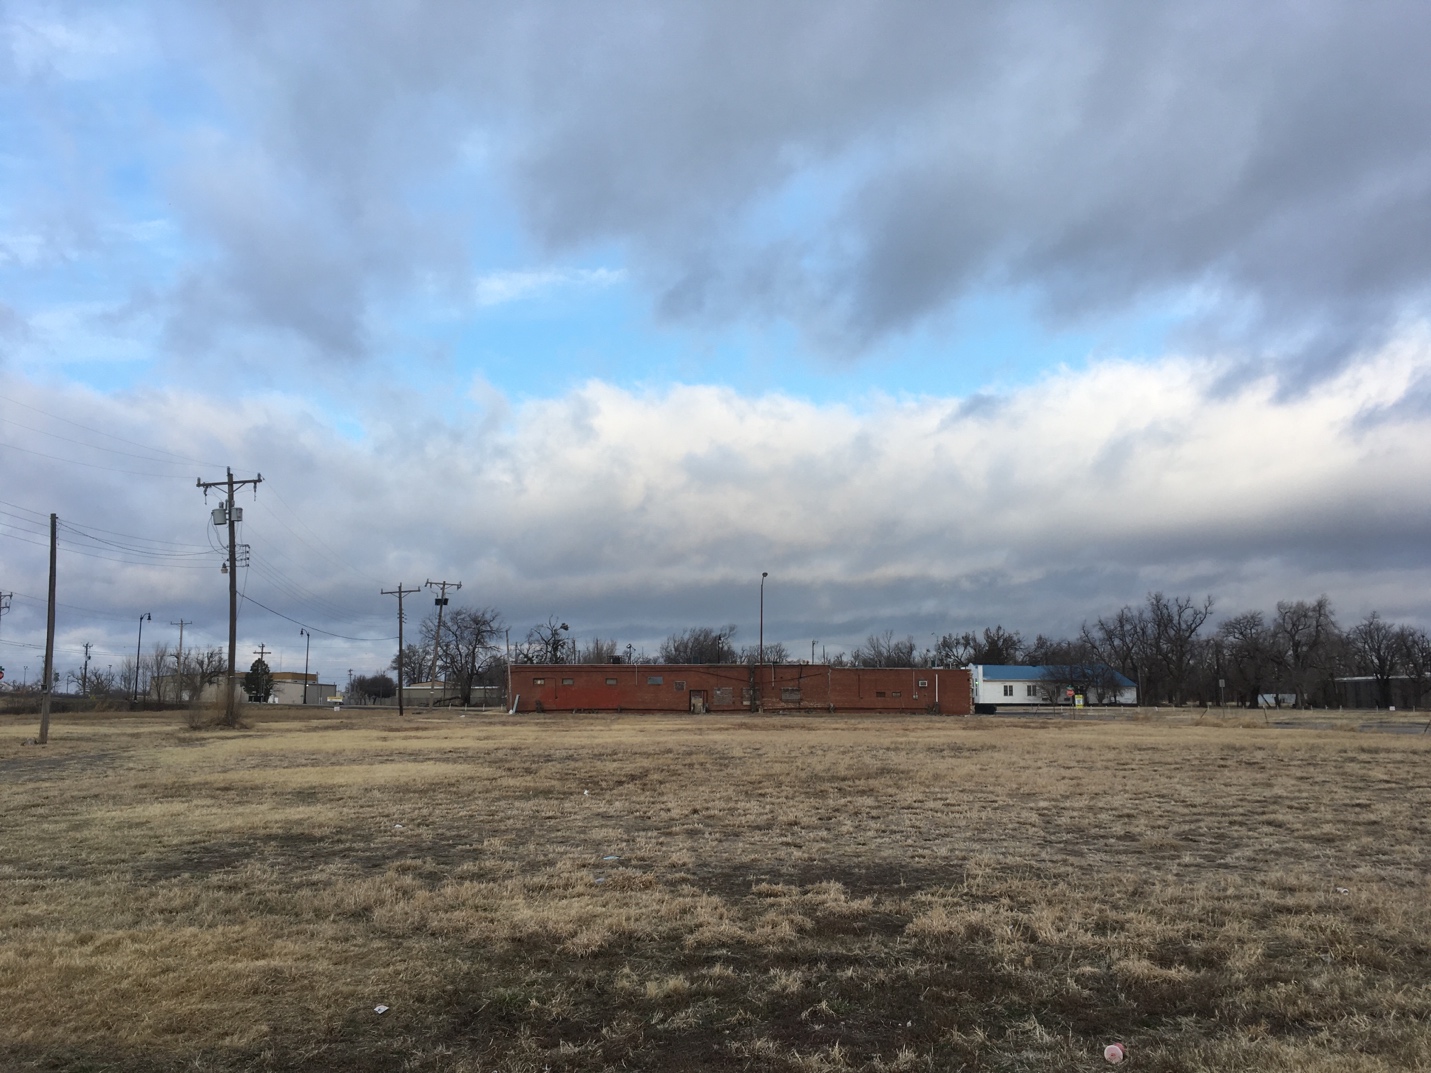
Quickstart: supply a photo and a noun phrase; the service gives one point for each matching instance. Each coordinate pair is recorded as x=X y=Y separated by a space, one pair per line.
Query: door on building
x=698 y=701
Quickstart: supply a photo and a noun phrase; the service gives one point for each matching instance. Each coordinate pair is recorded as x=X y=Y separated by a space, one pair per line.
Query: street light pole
x=137 y=646
x=763 y=575
x=306 y=645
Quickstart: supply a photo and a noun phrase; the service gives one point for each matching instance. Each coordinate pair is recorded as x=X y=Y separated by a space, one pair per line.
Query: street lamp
x=567 y=628
x=137 y=646
x=763 y=575
x=306 y=645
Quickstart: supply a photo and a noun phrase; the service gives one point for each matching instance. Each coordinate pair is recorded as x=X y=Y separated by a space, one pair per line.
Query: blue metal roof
x=995 y=672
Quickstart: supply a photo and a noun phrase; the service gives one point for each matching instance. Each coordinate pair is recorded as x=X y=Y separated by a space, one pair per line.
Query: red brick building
x=736 y=687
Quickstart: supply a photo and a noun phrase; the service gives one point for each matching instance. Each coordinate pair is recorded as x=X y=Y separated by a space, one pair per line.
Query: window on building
x=611 y=681
x=568 y=681
x=924 y=683
x=1008 y=691
x=896 y=693
x=655 y=680
x=680 y=687
x=879 y=692
x=724 y=695
x=539 y=681
x=790 y=694
x=1032 y=690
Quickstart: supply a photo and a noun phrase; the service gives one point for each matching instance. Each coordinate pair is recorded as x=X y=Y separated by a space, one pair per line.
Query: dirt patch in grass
x=753 y=894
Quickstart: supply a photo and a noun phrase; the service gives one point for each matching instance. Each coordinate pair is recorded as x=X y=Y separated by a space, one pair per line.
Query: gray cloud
x=853 y=169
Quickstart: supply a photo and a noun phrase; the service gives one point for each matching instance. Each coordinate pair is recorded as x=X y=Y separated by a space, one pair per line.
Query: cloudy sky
x=944 y=315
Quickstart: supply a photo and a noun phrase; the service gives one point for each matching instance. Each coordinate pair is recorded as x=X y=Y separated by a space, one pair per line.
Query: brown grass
x=784 y=894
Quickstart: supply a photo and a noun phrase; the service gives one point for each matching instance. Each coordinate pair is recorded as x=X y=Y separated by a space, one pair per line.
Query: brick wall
x=737 y=687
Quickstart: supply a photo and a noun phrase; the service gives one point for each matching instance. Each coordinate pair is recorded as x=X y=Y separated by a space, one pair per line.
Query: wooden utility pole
x=230 y=713
x=400 y=592
x=179 y=658
x=441 y=602
x=49 y=638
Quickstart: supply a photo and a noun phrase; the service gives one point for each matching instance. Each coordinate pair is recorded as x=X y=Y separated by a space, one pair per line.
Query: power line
x=96 y=465
x=129 y=536
x=98 y=447
x=110 y=435
x=315 y=629
x=322 y=547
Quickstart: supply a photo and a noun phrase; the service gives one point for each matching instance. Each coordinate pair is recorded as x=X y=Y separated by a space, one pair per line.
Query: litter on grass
x=611 y=857
x=380 y=1010
x=1341 y=890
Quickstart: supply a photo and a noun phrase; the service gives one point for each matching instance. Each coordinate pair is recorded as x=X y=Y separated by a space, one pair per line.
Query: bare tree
x=467 y=649
x=1175 y=624
x=955 y=650
x=884 y=651
x=202 y=668
x=154 y=668
x=700 y=644
x=546 y=643
x=1306 y=636
x=598 y=651
x=998 y=646
x=775 y=652
x=1249 y=657
x=1416 y=662
x=103 y=683
x=1378 y=651
x=1122 y=642
x=128 y=676
x=415 y=662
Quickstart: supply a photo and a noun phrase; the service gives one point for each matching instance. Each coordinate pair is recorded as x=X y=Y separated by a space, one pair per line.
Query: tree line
x=1165 y=645
x=163 y=672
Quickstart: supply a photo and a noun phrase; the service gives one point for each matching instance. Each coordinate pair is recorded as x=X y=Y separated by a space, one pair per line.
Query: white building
x=1005 y=686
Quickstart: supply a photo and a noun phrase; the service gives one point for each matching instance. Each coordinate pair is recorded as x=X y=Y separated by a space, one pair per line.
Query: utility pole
x=306 y=644
x=261 y=650
x=441 y=602
x=138 y=645
x=179 y=658
x=84 y=675
x=49 y=637
x=400 y=592
x=4 y=604
x=230 y=715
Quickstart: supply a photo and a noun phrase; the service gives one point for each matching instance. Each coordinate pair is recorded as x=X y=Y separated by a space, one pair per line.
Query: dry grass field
x=708 y=893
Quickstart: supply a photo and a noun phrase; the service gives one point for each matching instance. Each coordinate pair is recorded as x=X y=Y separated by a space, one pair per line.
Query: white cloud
x=499 y=288
x=636 y=512
x=83 y=46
